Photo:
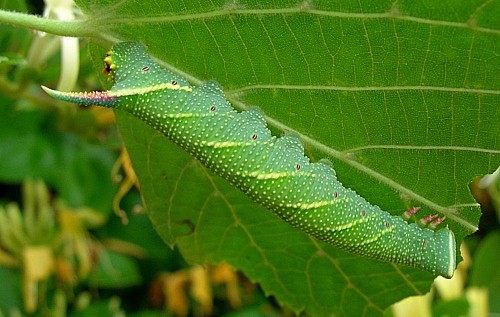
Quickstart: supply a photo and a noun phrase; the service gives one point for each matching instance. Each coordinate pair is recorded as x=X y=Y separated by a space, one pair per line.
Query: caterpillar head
x=129 y=67
x=109 y=65
x=131 y=70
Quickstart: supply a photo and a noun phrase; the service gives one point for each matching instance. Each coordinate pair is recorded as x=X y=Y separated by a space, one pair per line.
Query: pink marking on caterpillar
x=410 y=212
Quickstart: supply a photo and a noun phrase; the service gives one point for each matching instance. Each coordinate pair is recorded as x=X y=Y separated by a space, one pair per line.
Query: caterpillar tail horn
x=95 y=98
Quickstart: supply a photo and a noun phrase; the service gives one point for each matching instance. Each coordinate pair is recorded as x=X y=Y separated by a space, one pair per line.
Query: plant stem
x=77 y=28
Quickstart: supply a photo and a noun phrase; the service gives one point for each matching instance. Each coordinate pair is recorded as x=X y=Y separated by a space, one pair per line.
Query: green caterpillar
x=272 y=171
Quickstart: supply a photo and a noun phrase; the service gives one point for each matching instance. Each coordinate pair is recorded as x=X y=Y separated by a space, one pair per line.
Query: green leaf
x=402 y=98
x=485 y=271
x=9 y=289
x=456 y=307
x=115 y=270
x=109 y=307
x=32 y=145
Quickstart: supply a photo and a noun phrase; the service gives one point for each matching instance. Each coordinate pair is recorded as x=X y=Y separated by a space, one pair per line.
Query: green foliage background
x=401 y=97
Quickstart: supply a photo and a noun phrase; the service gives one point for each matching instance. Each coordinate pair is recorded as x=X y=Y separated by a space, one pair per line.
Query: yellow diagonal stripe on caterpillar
x=184 y=115
x=146 y=90
x=277 y=175
x=350 y=224
x=224 y=144
x=314 y=205
x=375 y=238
